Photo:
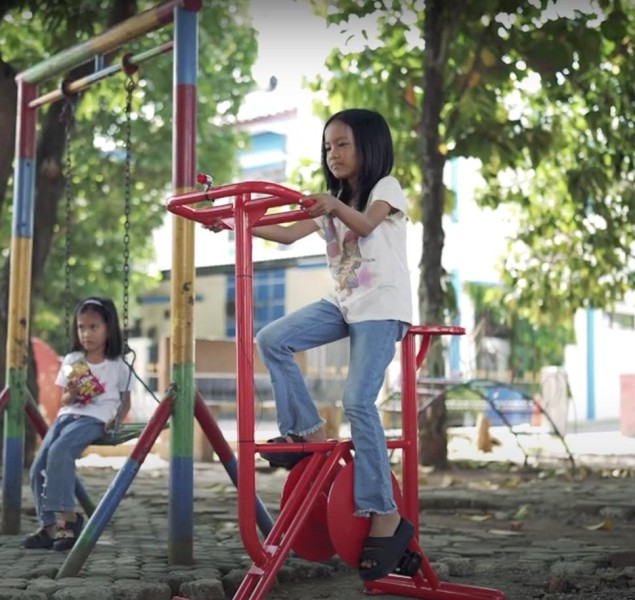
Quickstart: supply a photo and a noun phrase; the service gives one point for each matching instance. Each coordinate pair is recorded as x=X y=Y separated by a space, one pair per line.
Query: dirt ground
x=575 y=535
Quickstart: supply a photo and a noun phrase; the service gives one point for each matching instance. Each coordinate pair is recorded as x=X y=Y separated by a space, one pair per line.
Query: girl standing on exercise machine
x=362 y=219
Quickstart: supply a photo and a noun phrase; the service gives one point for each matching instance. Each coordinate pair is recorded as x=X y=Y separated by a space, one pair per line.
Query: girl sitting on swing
x=95 y=380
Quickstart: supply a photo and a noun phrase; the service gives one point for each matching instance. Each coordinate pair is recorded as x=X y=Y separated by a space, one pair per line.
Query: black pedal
x=408 y=564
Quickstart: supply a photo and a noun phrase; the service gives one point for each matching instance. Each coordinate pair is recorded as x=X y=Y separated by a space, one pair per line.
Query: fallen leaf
x=477 y=518
x=605 y=525
x=446 y=481
x=521 y=513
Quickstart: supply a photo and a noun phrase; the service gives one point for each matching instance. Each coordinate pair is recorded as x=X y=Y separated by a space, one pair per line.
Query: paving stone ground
x=550 y=535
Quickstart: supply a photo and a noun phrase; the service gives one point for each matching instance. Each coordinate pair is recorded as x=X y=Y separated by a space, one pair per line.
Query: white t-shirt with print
x=371 y=275
x=114 y=375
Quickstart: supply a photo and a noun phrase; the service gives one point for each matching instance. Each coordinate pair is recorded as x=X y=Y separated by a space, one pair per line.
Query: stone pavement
x=546 y=534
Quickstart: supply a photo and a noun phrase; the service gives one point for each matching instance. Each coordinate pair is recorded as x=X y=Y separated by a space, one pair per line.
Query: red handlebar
x=273 y=195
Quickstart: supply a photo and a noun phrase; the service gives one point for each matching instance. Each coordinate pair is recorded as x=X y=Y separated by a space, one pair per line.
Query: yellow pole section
x=19 y=301
x=182 y=291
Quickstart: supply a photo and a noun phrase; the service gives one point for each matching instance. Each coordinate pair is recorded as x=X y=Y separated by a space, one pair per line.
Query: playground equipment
x=316 y=518
x=180 y=402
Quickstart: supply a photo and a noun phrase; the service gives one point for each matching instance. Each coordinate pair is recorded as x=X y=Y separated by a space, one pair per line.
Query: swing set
x=316 y=515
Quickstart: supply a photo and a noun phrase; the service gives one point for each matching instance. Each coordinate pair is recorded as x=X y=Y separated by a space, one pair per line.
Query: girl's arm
x=286 y=234
x=67 y=398
x=69 y=395
x=362 y=223
x=125 y=409
x=276 y=233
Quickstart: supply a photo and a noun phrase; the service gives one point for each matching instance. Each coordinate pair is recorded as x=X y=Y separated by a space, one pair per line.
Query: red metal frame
x=242 y=214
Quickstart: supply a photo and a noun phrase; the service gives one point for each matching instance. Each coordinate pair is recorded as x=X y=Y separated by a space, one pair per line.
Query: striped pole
x=19 y=303
x=181 y=492
x=105 y=42
x=116 y=491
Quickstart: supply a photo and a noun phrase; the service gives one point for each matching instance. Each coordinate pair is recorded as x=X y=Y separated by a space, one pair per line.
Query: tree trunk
x=437 y=34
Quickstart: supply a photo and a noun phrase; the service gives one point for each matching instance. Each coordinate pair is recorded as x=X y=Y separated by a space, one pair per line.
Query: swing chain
x=66 y=117
x=131 y=85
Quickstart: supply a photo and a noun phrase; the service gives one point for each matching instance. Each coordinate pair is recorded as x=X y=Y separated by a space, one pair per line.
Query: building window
x=621 y=321
x=268 y=299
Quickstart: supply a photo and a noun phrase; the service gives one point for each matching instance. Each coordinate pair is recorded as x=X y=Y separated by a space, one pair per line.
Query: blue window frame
x=268 y=299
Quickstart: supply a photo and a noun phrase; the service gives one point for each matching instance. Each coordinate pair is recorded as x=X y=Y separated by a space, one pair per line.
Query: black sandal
x=285 y=460
x=66 y=537
x=385 y=552
x=40 y=540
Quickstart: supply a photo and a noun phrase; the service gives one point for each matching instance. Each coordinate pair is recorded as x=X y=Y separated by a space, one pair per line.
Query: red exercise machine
x=316 y=517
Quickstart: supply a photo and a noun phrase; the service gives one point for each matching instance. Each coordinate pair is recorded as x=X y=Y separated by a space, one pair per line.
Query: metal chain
x=66 y=116
x=131 y=84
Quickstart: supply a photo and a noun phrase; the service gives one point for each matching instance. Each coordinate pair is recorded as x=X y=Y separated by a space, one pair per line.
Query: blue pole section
x=590 y=364
x=116 y=491
x=99 y=519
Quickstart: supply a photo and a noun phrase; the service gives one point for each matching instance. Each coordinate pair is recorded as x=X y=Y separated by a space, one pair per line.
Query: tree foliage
x=33 y=31
x=542 y=93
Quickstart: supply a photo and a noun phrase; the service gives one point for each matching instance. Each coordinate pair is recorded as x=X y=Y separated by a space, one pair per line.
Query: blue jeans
x=52 y=474
x=372 y=347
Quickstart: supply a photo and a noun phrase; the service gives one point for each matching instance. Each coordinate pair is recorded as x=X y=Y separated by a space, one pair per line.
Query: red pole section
x=36 y=418
x=245 y=385
x=210 y=427
x=409 y=428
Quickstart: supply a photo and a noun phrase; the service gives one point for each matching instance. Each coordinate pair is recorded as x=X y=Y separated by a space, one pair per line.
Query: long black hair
x=374 y=150
x=106 y=309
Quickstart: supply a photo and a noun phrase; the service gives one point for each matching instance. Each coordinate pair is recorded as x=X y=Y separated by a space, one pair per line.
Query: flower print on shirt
x=346 y=258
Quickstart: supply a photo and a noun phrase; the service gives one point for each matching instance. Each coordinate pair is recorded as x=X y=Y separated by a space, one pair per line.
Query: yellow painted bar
x=19 y=302
x=182 y=286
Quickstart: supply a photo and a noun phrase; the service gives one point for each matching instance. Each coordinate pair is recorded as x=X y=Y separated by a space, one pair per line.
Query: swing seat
x=124 y=433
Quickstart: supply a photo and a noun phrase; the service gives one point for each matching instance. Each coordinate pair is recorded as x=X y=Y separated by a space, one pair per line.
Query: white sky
x=292 y=42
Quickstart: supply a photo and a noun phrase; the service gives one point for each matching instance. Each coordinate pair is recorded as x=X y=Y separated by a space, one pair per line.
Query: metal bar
x=109 y=40
x=81 y=84
x=226 y=455
x=181 y=495
x=410 y=484
x=17 y=339
x=245 y=384
x=116 y=491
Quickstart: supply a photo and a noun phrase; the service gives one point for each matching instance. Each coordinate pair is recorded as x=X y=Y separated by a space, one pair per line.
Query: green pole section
x=13 y=449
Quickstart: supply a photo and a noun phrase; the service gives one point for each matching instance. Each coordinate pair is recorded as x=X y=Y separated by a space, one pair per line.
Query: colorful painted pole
x=109 y=40
x=19 y=302
x=181 y=502
x=117 y=490
x=74 y=87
